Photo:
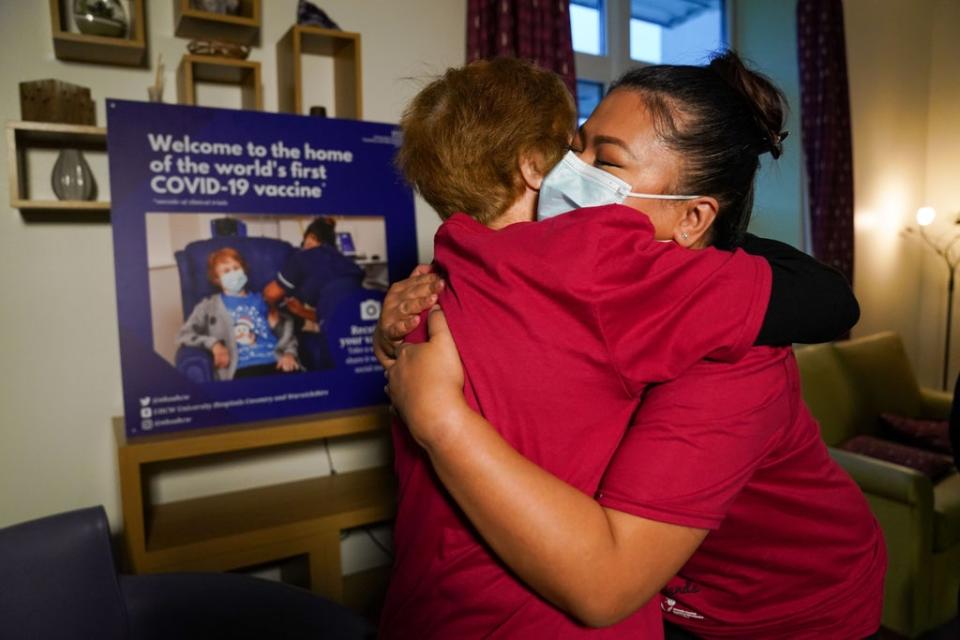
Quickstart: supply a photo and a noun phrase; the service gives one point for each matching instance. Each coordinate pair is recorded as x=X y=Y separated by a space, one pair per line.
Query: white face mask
x=573 y=184
x=233 y=282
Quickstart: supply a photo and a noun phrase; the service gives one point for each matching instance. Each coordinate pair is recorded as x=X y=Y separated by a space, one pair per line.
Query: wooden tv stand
x=253 y=526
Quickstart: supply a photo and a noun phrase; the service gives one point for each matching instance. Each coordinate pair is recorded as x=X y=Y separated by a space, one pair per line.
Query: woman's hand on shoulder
x=426 y=384
x=404 y=303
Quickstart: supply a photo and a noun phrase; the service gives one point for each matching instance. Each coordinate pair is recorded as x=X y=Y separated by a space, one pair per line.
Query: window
x=646 y=41
x=588 y=97
x=587 y=26
x=675 y=31
x=610 y=37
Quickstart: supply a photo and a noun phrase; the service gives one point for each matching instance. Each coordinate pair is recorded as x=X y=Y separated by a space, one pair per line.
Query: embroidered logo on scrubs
x=669 y=605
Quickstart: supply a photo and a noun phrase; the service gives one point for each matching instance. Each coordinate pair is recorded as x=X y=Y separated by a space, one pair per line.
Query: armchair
x=847 y=385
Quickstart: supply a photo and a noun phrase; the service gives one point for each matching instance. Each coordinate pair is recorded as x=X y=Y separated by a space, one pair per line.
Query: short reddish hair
x=221 y=255
x=464 y=134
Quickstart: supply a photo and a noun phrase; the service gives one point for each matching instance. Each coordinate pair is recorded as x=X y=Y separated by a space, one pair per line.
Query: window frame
x=607 y=68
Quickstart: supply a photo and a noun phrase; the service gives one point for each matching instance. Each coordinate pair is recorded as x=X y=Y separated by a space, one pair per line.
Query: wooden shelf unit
x=342 y=47
x=22 y=135
x=252 y=526
x=243 y=28
x=244 y=73
x=80 y=47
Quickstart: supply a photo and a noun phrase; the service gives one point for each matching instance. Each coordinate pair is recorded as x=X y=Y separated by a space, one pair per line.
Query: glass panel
x=586 y=25
x=696 y=31
x=646 y=41
x=588 y=97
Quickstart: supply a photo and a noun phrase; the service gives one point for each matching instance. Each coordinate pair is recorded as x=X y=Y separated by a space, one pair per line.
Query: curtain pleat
x=825 y=120
x=536 y=30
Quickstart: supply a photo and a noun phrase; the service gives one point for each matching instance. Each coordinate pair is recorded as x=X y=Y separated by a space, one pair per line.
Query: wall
x=942 y=163
x=904 y=83
x=61 y=379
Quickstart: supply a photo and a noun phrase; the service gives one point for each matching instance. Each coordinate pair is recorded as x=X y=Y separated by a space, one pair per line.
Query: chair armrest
x=195 y=364
x=935 y=404
x=58 y=580
x=887 y=480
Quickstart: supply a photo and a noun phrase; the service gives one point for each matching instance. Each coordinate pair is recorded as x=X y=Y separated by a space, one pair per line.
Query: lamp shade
x=925 y=215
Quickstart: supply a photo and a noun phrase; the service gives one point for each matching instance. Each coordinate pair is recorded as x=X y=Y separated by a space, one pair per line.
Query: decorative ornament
x=227 y=7
x=219 y=48
x=155 y=93
x=310 y=14
x=100 y=18
x=71 y=178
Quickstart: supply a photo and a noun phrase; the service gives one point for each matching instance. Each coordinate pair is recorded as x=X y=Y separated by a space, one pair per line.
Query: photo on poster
x=252 y=254
x=295 y=272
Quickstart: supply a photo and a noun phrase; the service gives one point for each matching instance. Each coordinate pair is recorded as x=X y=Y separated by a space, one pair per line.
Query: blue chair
x=264 y=258
x=58 y=581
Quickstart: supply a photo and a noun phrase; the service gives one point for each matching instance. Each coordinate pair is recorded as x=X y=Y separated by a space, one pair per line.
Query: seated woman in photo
x=244 y=337
x=720 y=496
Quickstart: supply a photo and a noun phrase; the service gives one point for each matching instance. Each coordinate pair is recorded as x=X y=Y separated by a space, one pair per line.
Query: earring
x=683 y=235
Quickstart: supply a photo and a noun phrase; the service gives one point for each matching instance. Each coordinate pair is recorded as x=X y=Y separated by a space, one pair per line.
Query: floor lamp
x=951 y=258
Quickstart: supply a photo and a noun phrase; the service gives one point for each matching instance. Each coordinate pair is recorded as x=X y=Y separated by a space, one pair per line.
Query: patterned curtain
x=537 y=30
x=825 y=118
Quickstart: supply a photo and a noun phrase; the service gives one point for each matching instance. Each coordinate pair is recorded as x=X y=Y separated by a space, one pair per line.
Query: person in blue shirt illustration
x=244 y=336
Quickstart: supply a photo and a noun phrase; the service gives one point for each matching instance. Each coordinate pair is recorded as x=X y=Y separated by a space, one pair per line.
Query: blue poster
x=252 y=254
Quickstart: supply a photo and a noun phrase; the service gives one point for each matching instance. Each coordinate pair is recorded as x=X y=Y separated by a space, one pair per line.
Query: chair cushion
x=930 y=464
x=933 y=435
x=946 y=513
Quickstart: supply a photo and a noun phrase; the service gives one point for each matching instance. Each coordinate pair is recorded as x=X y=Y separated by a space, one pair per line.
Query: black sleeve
x=810 y=302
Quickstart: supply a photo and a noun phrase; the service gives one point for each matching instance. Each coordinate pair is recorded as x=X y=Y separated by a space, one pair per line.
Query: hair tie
x=776 y=143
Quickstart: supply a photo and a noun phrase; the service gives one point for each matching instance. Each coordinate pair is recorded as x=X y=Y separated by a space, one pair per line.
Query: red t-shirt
x=794 y=551
x=560 y=325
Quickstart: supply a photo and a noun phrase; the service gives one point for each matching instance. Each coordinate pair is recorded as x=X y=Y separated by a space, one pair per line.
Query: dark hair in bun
x=766 y=100
x=322 y=228
x=720 y=118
